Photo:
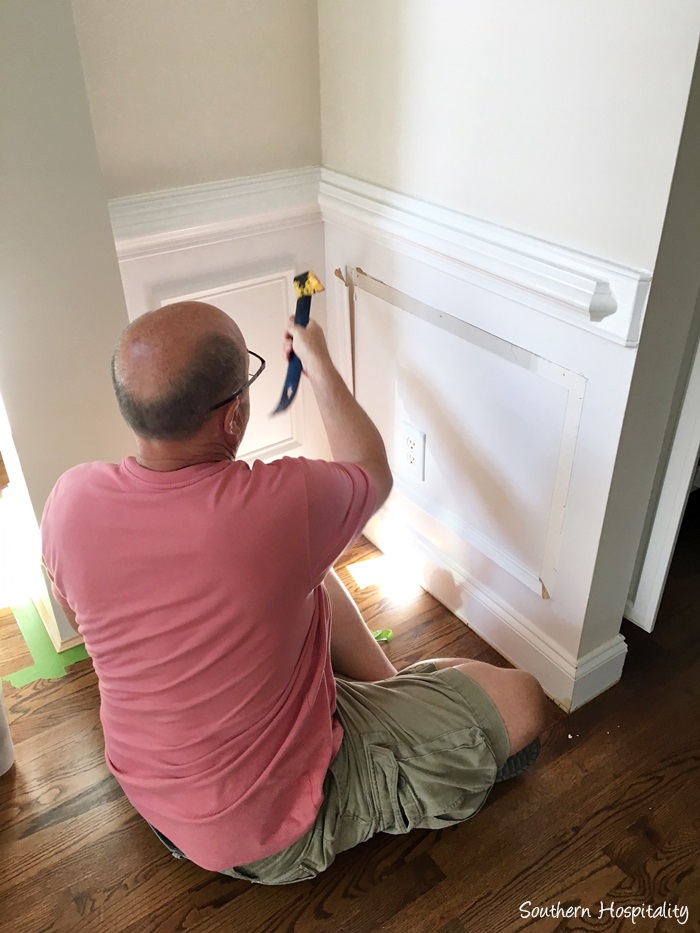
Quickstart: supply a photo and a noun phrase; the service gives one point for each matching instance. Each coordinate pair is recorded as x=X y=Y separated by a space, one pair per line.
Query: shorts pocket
x=383 y=773
x=432 y=784
x=289 y=866
x=268 y=874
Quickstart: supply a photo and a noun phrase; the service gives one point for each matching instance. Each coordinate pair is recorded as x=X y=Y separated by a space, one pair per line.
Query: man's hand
x=309 y=344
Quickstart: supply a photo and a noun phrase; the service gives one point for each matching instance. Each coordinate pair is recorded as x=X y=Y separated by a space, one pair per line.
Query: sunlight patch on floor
x=397 y=580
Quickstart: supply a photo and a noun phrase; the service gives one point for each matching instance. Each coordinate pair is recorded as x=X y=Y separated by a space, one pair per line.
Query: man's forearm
x=352 y=435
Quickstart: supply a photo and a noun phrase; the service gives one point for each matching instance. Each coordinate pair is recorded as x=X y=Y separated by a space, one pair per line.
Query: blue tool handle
x=303 y=310
x=294 y=367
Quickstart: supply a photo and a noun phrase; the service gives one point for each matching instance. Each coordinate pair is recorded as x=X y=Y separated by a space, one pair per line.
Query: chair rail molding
x=602 y=297
x=599 y=296
x=199 y=215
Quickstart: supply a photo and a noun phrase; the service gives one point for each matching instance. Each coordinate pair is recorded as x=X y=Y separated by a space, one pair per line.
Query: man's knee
x=518 y=697
x=531 y=701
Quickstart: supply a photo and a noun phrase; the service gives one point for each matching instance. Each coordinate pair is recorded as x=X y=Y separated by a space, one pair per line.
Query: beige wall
x=558 y=119
x=61 y=301
x=189 y=91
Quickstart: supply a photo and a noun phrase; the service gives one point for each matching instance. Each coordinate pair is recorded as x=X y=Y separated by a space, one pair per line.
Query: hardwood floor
x=610 y=813
x=14 y=653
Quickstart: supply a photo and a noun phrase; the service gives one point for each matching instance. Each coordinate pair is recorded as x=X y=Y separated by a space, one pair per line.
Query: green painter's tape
x=383 y=634
x=48 y=663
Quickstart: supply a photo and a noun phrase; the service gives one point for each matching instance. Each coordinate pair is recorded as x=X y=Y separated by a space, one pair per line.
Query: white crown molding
x=599 y=296
x=198 y=215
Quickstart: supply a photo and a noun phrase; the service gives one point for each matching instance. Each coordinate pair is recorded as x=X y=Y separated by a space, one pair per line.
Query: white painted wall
x=190 y=91
x=61 y=302
x=558 y=119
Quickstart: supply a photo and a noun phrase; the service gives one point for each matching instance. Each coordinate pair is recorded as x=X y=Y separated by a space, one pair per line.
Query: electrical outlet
x=412 y=451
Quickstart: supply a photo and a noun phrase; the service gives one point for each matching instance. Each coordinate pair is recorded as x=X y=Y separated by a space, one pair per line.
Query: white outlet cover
x=410 y=449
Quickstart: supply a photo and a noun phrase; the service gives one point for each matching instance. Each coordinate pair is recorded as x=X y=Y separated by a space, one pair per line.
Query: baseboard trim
x=568 y=681
x=67 y=643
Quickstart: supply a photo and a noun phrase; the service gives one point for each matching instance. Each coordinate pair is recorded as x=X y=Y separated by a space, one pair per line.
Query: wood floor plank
x=660 y=852
x=42 y=705
x=33 y=794
x=14 y=654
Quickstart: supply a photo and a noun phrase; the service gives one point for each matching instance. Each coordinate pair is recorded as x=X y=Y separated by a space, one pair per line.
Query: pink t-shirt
x=199 y=595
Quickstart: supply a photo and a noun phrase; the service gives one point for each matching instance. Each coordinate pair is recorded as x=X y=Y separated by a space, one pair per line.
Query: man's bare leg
x=355 y=654
x=516 y=694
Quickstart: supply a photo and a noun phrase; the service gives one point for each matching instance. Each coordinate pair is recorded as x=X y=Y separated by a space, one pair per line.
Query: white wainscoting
x=238 y=245
x=202 y=214
x=569 y=680
x=519 y=384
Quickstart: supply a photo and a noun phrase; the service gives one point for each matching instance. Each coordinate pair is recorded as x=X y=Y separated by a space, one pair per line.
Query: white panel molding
x=541 y=580
x=199 y=215
x=602 y=297
x=296 y=412
x=569 y=681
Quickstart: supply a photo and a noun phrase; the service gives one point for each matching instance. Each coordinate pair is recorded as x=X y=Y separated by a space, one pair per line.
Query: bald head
x=171 y=365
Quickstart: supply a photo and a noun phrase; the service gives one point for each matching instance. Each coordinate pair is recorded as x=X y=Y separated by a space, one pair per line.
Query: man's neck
x=164 y=456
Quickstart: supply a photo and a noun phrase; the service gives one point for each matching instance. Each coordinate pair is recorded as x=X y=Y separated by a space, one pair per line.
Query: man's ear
x=230 y=417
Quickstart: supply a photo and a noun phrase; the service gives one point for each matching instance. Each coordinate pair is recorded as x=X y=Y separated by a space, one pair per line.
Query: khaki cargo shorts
x=420 y=751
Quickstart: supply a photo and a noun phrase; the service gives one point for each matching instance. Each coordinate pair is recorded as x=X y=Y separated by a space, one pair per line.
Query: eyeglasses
x=251 y=380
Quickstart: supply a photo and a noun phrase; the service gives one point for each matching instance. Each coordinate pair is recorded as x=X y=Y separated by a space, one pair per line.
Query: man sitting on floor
x=248 y=713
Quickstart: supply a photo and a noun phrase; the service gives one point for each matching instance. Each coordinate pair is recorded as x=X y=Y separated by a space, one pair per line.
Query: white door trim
x=677 y=484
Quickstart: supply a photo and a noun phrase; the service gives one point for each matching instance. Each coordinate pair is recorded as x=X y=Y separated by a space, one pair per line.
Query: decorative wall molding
x=599 y=296
x=266 y=439
x=541 y=580
x=602 y=297
x=202 y=214
x=569 y=681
